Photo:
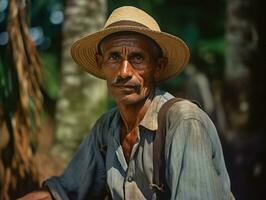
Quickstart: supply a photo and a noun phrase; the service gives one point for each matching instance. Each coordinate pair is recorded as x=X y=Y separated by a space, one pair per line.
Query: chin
x=131 y=99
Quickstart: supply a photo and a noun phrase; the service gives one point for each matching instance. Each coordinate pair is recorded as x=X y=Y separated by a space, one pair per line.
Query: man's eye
x=114 y=57
x=137 y=58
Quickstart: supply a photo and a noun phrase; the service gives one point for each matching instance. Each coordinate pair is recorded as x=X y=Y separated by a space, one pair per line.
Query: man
x=133 y=55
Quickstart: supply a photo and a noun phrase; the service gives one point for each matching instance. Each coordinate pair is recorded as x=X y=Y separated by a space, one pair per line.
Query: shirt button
x=130 y=179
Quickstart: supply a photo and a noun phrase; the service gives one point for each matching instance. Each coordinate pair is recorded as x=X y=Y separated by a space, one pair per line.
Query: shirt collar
x=149 y=121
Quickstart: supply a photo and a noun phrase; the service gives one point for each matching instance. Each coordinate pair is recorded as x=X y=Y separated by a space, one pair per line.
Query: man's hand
x=38 y=195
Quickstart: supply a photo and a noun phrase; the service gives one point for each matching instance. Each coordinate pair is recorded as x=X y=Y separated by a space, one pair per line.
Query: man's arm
x=85 y=175
x=195 y=163
x=70 y=184
x=37 y=195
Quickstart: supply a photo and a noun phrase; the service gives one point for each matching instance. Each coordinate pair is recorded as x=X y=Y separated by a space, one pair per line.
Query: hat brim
x=84 y=50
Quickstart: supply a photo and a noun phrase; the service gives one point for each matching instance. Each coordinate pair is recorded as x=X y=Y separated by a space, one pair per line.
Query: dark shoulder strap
x=159 y=184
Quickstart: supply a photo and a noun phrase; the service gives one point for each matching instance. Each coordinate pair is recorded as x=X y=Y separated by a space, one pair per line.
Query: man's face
x=129 y=62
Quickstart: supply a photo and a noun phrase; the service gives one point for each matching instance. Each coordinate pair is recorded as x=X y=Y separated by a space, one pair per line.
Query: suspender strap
x=159 y=183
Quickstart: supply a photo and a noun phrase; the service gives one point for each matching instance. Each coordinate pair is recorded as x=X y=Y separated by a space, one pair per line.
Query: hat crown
x=132 y=14
x=131 y=19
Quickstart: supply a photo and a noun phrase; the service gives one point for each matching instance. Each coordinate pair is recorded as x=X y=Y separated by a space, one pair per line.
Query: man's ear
x=99 y=59
x=161 y=64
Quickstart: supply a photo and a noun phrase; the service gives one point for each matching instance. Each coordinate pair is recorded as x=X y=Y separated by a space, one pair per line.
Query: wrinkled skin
x=130 y=63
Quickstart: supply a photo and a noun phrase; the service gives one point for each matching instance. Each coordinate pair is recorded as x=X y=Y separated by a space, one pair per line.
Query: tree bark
x=246 y=32
x=245 y=68
x=83 y=97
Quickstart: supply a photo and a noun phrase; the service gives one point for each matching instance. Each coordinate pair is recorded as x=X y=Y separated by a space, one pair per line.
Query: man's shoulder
x=104 y=125
x=186 y=109
x=182 y=109
x=108 y=117
x=188 y=118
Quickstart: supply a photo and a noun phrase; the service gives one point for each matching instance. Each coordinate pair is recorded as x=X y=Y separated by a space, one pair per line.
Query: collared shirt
x=195 y=167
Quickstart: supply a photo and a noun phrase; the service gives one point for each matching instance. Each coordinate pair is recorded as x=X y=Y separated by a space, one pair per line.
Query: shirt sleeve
x=85 y=176
x=195 y=163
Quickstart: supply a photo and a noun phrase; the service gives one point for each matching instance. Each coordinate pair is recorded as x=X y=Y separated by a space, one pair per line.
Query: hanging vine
x=21 y=107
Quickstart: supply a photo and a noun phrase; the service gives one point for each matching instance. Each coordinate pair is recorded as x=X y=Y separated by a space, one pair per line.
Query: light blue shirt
x=195 y=167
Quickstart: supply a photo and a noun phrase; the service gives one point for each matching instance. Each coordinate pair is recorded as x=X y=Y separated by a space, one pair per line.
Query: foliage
x=21 y=106
x=51 y=74
x=199 y=23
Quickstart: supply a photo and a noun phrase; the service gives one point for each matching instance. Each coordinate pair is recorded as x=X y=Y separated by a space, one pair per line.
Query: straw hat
x=128 y=18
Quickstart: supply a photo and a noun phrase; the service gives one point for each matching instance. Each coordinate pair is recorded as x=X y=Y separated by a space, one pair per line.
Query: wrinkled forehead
x=128 y=35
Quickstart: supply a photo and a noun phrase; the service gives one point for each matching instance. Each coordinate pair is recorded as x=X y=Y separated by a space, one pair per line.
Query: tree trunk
x=246 y=57
x=246 y=32
x=83 y=97
x=257 y=93
x=242 y=42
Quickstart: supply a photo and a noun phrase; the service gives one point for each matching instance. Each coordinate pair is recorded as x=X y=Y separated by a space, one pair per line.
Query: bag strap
x=159 y=183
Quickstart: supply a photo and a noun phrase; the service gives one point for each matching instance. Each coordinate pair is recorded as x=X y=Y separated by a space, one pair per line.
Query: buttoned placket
x=131 y=190
x=131 y=164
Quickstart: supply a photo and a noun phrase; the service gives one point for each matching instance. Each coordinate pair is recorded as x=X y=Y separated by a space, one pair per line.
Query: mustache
x=125 y=82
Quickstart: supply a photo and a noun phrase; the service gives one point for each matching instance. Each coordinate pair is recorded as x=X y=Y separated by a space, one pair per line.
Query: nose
x=125 y=69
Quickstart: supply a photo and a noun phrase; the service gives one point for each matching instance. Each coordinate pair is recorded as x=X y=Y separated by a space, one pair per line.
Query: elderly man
x=116 y=159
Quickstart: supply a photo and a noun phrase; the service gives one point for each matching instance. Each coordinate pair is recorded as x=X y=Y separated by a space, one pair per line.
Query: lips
x=127 y=87
x=124 y=86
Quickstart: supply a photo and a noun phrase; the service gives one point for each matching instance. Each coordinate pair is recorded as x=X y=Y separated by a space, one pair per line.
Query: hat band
x=125 y=23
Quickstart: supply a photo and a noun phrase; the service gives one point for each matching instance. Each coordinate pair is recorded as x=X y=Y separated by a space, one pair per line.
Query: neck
x=132 y=114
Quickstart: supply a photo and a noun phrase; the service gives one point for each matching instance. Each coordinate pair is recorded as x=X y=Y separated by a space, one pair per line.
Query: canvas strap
x=159 y=182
